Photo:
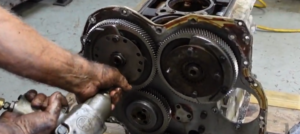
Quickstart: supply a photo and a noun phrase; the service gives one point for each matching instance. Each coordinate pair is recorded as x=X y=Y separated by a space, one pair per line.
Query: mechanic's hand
x=41 y=122
x=107 y=77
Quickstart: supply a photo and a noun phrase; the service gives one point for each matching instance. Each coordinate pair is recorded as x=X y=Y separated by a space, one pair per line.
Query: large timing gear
x=124 y=45
x=200 y=59
x=197 y=64
x=144 y=112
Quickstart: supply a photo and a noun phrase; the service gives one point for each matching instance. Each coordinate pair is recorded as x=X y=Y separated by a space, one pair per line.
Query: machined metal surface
x=200 y=62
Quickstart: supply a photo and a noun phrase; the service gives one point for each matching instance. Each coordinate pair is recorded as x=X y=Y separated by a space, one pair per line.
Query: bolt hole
x=158 y=30
x=163 y=10
x=178 y=106
x=189 y=116
x=178 y=118
x=193 y=72
x=125 y=41
x=193 y=20
x=139 y=70
x=138 y=54
x=140 y=62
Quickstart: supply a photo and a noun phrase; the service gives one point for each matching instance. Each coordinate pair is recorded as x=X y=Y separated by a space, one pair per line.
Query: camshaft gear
x=124 y=45
x=145 y=113
x=197 y=64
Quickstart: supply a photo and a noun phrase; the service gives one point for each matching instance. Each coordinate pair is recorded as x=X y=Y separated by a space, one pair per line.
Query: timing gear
x=201 y=58
x=144 y=112
x=124 y=45
x=197 y=64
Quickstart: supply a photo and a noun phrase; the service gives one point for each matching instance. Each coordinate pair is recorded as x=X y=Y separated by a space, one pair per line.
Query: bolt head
x=116 y=38
x=62 y=130
x=203 y=114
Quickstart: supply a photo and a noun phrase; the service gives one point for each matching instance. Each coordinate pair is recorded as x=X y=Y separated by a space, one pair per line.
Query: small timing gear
x=197 y=64
x=124 y=45
x=145 y=113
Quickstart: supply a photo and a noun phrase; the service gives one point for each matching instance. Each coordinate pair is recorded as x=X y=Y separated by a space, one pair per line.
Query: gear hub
x=146 y=113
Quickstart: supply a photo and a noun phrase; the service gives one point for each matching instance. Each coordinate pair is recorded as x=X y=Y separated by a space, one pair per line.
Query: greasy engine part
x=144 y=111
x=162 y=11
x=197 y=64
x=187 y=7
x=203 y=63
x=124 y=45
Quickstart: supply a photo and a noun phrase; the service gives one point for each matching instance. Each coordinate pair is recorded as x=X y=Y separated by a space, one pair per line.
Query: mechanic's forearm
x=26 y=53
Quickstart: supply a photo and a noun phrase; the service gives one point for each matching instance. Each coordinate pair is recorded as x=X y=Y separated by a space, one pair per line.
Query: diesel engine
x=189 y=62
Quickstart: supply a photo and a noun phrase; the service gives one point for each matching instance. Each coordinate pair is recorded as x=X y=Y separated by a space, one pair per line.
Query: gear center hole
x=193 y=72
x=141 y=116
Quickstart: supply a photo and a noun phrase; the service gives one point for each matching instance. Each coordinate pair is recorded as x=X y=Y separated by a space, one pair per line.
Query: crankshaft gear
x=145 y=113
x=197 y=64
x=124 y=45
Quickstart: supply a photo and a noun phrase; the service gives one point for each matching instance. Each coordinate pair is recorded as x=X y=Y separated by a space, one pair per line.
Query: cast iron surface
x=231 y=38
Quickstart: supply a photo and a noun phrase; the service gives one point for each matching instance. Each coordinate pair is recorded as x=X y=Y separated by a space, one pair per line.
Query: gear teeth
x=148 y=42
x=161 y=99
x=207 y=34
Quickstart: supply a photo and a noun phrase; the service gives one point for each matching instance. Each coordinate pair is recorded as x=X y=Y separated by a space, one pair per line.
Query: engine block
x=189 y=62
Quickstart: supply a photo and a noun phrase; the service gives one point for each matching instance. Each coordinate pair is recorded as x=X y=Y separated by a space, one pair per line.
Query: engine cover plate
x=194 y=62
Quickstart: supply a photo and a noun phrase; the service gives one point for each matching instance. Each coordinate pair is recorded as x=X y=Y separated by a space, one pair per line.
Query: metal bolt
x=240 y=23
x=62 y=130
x=232 y=37
x=124 y=11
x=92 y=20
x=6 y=105
x=116 y=38
x=255 y=84
x=203 y=114
x=245 y=62
x=247 y=37
x=215 y=110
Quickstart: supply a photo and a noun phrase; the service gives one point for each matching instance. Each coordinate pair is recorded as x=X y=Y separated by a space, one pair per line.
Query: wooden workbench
x=283 y=112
